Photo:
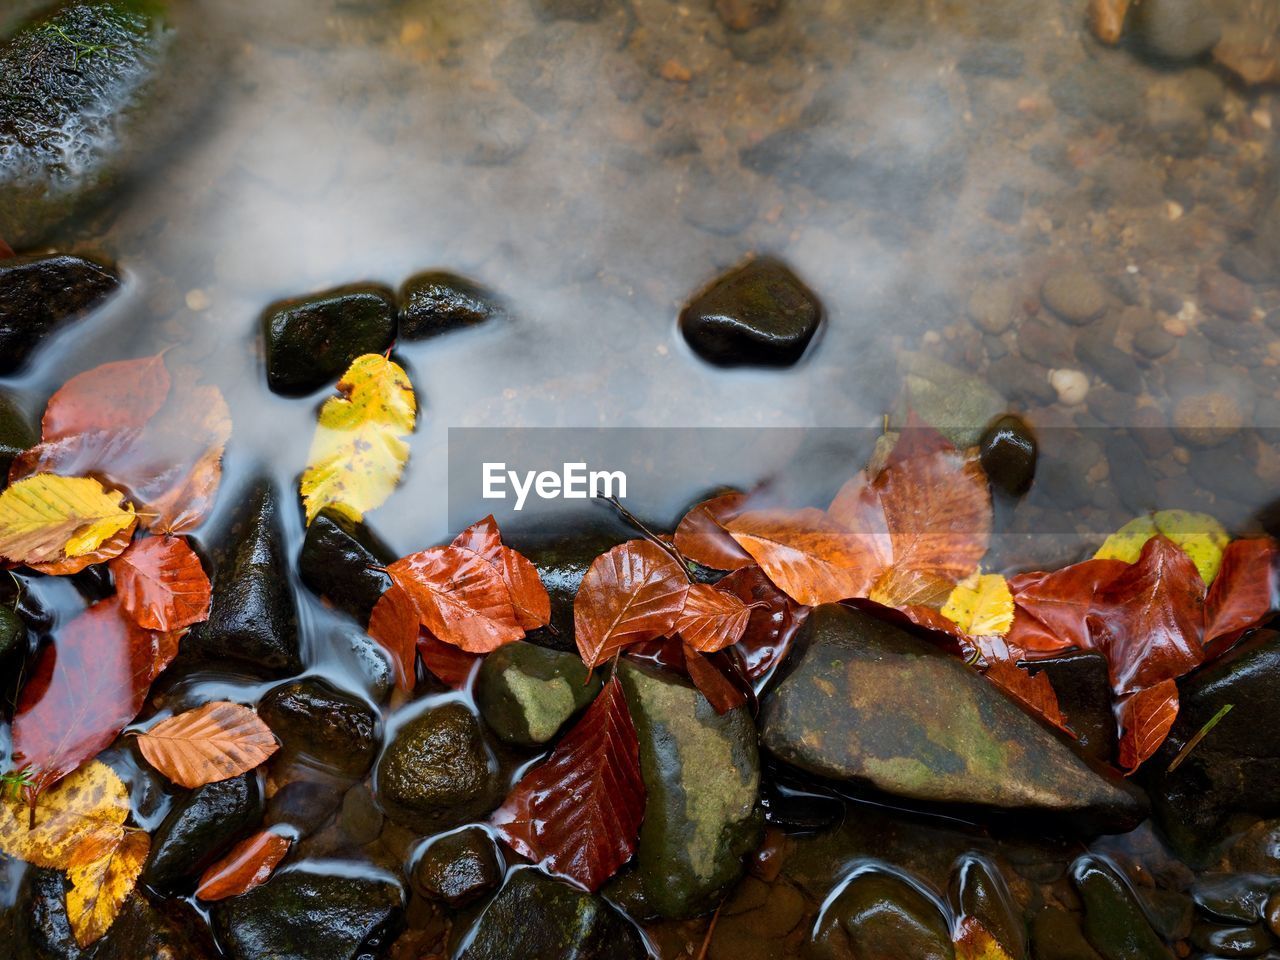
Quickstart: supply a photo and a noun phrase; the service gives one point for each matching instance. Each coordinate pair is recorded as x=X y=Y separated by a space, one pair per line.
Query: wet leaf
x=249 y=864
x=981 y=606
x=721 y=692
x=1036 y=692
x=1052 y=609
x=711 y=619
x=975 y=942
x=1243 y=593
x=100 y=886
x=445 y=662
x=1106 y=19
x=88 y=807
x=630 y=594
x=460 y=597
x=773 y=621
x=110 y=548
x=1199 y=535
x=701 y=535
x=122 y=395
x=213 y=742
x=809 y=556
x=1145 y=719
x=529 y=597
x=359 y=453
x=578 y=812
x=86 y=687
x=161 y=584
x=46 y=518
x=394 y=626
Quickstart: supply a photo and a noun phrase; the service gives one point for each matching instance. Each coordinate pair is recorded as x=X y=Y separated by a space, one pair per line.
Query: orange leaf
x=460 y=597
x=630 y=594
x=1243 y=592
x=529 y=597
x=447 y=663
x=1052 y=609
x=721 y=692
x=810 y=557
x=115 y=396
x=1034 y=692
x=702 y=537
x=214 y=742
x=394 y=626
x=711 y=619
x=161 y=584
x=112 y=547
x=248 y=864
x=1145 y=719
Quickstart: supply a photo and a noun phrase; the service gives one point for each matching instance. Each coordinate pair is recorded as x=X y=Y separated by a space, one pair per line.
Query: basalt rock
x=1114 y=921
x=460 y=867
x=340 y=561
x=200 y=828
x=41 y=295
x=311 y=341
x=879 y=915
x=437 y=302
x=526 y=693
x=979 y=893
x=1009 y=451
x=871 y=705
x=323 y=725
x=16 y=434
x=1082 y=684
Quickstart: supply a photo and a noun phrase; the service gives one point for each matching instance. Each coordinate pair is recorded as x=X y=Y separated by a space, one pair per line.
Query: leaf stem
x=1200 y=735
x=640 y=525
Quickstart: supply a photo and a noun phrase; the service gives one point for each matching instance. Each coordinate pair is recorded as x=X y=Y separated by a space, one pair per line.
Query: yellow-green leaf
x=975 y=942
x=100 y=885
x=91 y=805
x=981 y=606
x=1199 y=535
x=47 y=518
x=358 y=453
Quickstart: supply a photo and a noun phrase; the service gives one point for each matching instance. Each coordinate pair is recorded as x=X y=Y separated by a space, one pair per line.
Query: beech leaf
x=773 y=621
x=446 y=663
x=630 y=594
x=213 y=742
x=529 y=597
x=89 y=806
x=359 y=453
x=809 y=556
x=114 y=396
x=460 y=597
x=1145 y=719
x=975 y=942
x=711 y=619
x=981 y=606
x=578 y=812
x=100 y=886
x=161 y=584
x=1199 y=535
x=1052 y=609
x=721 y=692
x=702 y=537
x=248 y=864
x=394 y=626
x=1243 y=593
x=47 y=518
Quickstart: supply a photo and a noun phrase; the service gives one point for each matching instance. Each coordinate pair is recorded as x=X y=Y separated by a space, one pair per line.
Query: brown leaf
x=711 y=619
x=249 y=864
x=213 y=742
x=1052 y=609
x=1034 y=692
x=1106 y=19
x=394 y=626
x=460 y=597
x=112 y=547
x=529 y=597
x=1145 y=719
x=773 y=622
x=1243 y=593
x=809 y=556
x=630 y=594
x=701 y=535
x=578 y=812
x=161 y=584
x=446 y=662
x=721 y=692
x=122 y=395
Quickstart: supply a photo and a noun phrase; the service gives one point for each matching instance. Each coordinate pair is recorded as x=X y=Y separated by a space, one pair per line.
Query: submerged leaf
x=981 y=606
x=1145 y=719
x=88 y=807
x=773 y=621
x=975 y=942
x=100 y=886
x=358 y=453
x=161 y=584
x=122 y=395
x=214 y=742
x=47 y=518
x=810 y=557
x=461 y=598
x=630 y=594
x=1199 y=535
x=249 y=864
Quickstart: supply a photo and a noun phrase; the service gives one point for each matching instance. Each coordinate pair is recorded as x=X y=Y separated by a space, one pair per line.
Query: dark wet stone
x=1171 y=913
x=1238 y=897
x=13 y=635
x=1044 y=344
x=1084 y=693
x=759 y=314
x=67 y=81
x=16 y=434
x=460 y=867
x=361 y=816
x=1176 y=29
x=953 y=401
x=1113 y=919
x=1237 y=766
x=316 y=721
x=252 y=619
x=370 y=662
x=201 y=827
x=310 y=341
x=1074 y=294
x=702 y=777
x=37 y=928
x=1223 y=941
x=1008 y=453
x=304 y=804
x=979 y=892
x=1057 y=935
x=439 y=771
x=568 y=9
x=437 y=302
x=870 y=704
x=40 y=295
x=535 y=917
x=1021 y=381
x=879 y=915
x=306 y=915
x=1113 y=365
x=526 y=693
x=338 y=561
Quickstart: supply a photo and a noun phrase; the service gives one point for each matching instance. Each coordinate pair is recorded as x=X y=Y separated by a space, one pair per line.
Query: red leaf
x=447 y=663
x=918 y=439
x=87 y=686
x=115 y=396
x=248 y=864
x=809 y=556
x=161 y=584
x=1152 y=614
x=720 y=691
x=6 y=251
x=630 y=594
x=529 y=597
x=773 y=622
x=1145 y=719
x=702 y=537
x=1034 y=692
x=460 y=597
x=711 y=619
x=1243 y=593
x=1052 y=609
x=394 y=626
x=578 y=812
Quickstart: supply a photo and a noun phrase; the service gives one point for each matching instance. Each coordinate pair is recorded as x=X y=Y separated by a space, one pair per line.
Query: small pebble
x=1072 y=386
x=1074 y=294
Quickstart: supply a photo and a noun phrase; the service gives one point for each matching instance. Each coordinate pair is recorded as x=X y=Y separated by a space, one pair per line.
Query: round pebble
x=991 y=308
x=1072 y=386
x=1153 y=341
x=1074 y=295
x=1207 y=419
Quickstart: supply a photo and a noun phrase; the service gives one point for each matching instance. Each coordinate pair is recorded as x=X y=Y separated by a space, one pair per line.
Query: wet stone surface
x=438 y=302
x=319 y=723
x=460 y=867
x=40 y=295
x=526 y=693
x=200 y=828
x=340 y=560
x=311 y=341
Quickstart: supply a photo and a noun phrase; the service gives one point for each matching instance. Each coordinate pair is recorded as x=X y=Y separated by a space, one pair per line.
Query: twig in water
x=1200 y=735
x=639 y=524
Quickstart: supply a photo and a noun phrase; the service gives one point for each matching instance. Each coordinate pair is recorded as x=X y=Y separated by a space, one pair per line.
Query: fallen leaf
x=809 y=556
x=1052 y=609
x=981 y=606
x=161 y=584
x=100 y=886
x=630 y=594
x=773 y=622
x=1243 y=593
x=394 y=626
x=578 y=812
x=460 y=597
x=248 y=864
x=1198 y=535
x=359 y=453
x=720 y=691
x=1036 y=692
x=46 y=518
x=975 y=942
x=529 y=597
x=214 y=742
x=701 y=535
x=89 y=807
x=445 y=662
x=711 y=619
x=1145 y=719
x=1106 y=19
x=6 y=251
x=122 y=395
x=110 y=548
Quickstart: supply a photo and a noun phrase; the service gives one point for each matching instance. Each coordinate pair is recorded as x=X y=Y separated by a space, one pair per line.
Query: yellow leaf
x=47 y=518
x=976 y=943
x=358 y=455
x=89 y=806
x=981 y=606
x=1199 y=535
x=100 y=885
